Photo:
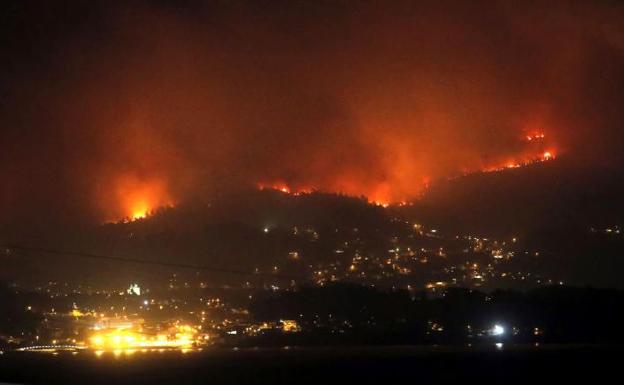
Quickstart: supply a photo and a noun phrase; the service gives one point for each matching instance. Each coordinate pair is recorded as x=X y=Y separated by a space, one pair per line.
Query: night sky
x=105 y=106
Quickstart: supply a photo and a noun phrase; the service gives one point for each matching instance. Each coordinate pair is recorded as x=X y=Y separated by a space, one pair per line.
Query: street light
x=497 y=330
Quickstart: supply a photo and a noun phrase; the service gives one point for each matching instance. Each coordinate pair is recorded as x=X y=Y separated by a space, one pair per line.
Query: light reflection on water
x=117 y=353
x=128 y=353
x=123 y=354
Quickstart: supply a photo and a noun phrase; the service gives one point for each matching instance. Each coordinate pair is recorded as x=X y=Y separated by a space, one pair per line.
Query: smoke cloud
x=107 y=110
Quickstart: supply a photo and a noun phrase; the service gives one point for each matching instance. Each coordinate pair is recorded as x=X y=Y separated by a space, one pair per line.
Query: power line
x=43 y=250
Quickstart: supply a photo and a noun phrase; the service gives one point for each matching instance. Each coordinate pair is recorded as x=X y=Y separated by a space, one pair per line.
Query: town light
x=497 y=330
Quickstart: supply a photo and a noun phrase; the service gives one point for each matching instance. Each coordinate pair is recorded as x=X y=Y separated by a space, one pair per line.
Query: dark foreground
x=384 y=365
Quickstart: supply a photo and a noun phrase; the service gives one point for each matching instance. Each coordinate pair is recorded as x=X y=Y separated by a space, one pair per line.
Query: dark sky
x=108 y=106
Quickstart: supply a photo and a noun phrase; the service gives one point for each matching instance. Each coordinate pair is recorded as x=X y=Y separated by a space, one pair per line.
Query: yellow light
x=132 y=340
x=97 y=340
x=290 y=326
x=139 y=214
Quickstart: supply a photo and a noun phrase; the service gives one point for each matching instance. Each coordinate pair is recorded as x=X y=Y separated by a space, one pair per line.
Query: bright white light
x=499 y=345
x=266 y=229
x=134 y=289
x=497 y=330
x=145 y=302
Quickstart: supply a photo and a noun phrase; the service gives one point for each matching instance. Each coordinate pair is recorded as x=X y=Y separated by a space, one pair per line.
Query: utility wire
x=56 y=252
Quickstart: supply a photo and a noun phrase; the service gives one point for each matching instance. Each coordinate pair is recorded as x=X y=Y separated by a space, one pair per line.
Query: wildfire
x=535 y=136
x=405 y=180
x=140 y=210
x=282 y=187
x=537 y=152
x=137 y=197
x=379 y=195
x=543 y=157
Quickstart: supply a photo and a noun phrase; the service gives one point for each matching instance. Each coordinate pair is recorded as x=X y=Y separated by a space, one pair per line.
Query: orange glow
x=282 y=187
x=380 y=192
x=387 y=193
x=543 y=157
x=535 y=136
x=137 y=198
x=140 y=210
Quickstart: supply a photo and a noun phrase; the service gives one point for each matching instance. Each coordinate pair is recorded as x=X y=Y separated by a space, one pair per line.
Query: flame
x=380 y=194
x=543 y=157
x=385 y=194
x=535 y=136
x=376 y=198
x=138 y=197
x=284 y=188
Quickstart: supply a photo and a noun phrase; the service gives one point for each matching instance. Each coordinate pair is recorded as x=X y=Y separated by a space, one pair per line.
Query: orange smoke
x=361 y=100
x=138 y=197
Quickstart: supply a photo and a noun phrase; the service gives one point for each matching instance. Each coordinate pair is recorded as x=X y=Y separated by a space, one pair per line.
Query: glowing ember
x=281 y=187
x=381 y=194
x=544 y=157
x=535 y=136
x=403 y=182
x=297 y=192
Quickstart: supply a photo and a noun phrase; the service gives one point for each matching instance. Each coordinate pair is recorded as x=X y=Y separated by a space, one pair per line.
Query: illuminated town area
x=311 y=192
